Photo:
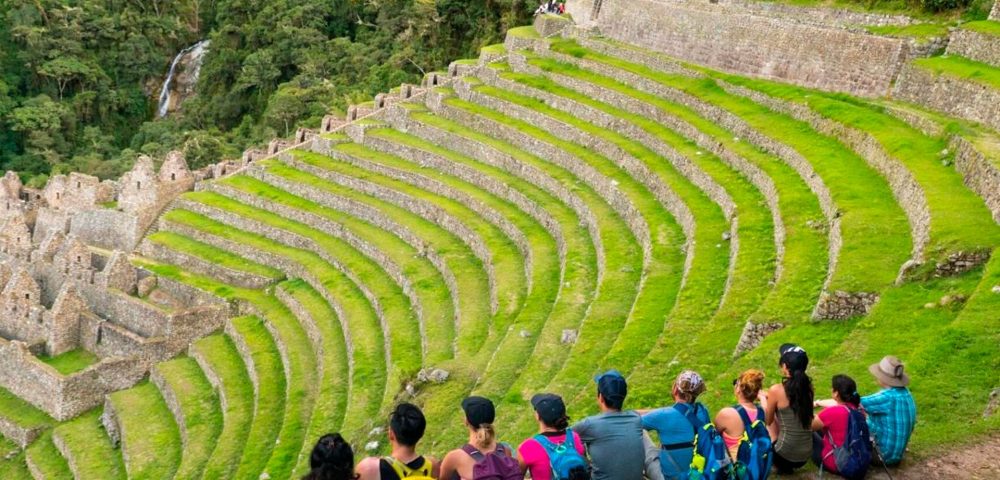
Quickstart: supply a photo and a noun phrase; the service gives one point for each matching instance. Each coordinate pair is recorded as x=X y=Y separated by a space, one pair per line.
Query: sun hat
x=478 y=410
x=611 y=385
x=793 y=356
x=890 y=372
x=550 y=407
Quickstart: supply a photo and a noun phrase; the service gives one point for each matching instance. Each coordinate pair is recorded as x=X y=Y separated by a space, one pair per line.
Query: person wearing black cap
x=483 y=453
x=618 y=446
x=788 y=410
x=406 y=428
x=553 y=427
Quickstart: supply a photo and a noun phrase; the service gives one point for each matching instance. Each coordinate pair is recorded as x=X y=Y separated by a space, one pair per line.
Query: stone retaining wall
x=980 y=174
x=21 y=435
x=951 y=95
x=775 y=48
x=977 y=46
x=173 y=403
x=995 y=13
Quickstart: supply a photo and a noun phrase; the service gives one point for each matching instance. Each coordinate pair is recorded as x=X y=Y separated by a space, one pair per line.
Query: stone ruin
x=67 y=283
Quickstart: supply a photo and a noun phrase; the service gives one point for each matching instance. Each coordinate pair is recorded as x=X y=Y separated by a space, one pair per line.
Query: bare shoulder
x=368 y=466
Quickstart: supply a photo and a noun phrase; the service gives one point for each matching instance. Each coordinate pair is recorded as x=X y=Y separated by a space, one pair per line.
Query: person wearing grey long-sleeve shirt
x=618 y=447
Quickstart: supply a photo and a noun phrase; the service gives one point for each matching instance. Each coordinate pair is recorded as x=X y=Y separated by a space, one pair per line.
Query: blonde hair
x=485 y=436
x=749 y=383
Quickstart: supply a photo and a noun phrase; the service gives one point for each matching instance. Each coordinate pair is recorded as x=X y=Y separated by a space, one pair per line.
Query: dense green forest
x=79 y=79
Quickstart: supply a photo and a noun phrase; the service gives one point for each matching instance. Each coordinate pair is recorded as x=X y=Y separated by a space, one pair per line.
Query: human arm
x=817 y=424
x=771 y=402
x=435 y=466
x=825 y=403
x=726 y=421
x=449 y=466
x=653 y=470
x=368 y=469
x=875 y=404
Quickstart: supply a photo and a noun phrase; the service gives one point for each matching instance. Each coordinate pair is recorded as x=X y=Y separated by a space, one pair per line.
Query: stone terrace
x=575 y=199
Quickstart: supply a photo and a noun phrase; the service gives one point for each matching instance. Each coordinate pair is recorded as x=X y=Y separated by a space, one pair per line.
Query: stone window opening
x=58 y=195
x=100 y=334
x=79 y=185
x=138 y=185
x=173 y=176
x=78 y=259
x=27 y=296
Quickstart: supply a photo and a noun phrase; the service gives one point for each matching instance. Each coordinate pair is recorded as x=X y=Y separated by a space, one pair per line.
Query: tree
x=285 y=107
x=259 y=71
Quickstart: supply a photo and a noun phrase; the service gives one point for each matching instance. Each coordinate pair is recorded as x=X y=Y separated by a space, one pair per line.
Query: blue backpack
x=711 y=459
x=567 y=463
x=753 y=459
x=855 y=455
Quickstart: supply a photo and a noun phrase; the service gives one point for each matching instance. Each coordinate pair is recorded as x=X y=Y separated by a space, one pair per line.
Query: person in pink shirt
x=550 y=412
x=832 y=421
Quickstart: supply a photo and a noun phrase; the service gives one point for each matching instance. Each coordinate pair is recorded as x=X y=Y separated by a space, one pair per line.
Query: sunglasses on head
x=736 y=381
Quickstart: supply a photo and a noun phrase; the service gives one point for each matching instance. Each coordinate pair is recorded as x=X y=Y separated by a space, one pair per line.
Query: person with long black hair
x=789 y=410
x=332 y=459
x=832 y=422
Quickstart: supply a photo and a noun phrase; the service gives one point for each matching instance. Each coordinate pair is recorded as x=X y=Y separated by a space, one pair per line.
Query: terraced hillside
x=562 y=205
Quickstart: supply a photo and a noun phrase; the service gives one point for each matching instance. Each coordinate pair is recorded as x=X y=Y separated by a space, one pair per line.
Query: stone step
x=196 y=257
x=979 y=41
x=88 y=449
x=21 y=422
x=44 y=460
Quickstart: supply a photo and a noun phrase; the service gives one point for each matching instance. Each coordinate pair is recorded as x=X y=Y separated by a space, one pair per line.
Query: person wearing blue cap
x=616 y=442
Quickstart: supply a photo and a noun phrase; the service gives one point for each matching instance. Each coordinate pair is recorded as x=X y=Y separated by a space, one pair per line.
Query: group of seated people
x=615 y=444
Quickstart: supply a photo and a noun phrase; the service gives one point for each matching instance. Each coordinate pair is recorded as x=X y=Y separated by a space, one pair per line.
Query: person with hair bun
x=676 y=425
x=832 y=422
x=789 y=410
x=332 y=459
x=728 y=422
x=553 y=425
x=483 y=452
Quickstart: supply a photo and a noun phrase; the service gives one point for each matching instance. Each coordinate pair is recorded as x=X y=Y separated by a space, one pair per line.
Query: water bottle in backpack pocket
x=711 y=459
x=496 y=465
x=566 y=462
x=854 y=456
x=755 y=454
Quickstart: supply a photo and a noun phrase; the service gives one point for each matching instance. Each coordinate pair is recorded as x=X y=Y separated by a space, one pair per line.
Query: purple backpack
x=496 y=465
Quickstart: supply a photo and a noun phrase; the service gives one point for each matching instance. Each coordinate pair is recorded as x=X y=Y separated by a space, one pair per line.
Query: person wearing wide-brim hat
x=891 y=412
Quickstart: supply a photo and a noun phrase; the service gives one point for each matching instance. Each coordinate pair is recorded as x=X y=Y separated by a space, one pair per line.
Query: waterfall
x=196 y=51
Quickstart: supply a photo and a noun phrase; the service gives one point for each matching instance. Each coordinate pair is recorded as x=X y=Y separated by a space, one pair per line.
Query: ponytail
x=847 y=389
x=799 y=389
x=561 y=424
x=485 y=436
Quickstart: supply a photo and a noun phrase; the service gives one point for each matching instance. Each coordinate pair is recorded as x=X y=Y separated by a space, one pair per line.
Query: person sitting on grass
x=331 y=459
x=406 y=428
x=891 y=412
x=556 y=447
x=728 y=421
x=789 y=410
x=483 y=456
x=675 y=425
x=615 y=440
x=832 y=423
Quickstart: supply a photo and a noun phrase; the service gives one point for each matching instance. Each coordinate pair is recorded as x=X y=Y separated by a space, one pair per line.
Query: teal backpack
x=754 y=457
x=711 y=459
x=567 y=463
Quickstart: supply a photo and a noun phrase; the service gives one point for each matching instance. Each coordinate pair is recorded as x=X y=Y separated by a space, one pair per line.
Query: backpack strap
x=473 y=452
x=686 y=412
x=745 y=416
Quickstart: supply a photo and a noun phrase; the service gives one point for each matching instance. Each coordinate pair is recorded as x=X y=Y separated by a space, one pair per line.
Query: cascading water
x=196 y=51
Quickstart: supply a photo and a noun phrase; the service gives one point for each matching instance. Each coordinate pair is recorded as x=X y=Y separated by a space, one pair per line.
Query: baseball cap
x=794 y=356
x=478 y=410
x=550 y=407
x=611 y=385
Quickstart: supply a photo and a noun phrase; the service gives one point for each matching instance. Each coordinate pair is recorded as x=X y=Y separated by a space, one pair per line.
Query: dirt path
x=978 y=461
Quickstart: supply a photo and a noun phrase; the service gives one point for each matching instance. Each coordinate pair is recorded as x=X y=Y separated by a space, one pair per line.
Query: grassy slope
x=47 y=459
x=983 y=26
x=331 y=397
x=960 y=220
x=203 y=419
x=211 y=254
x=875 y=231
x=151 y=442
x=70 y=362
x=579 y=277
x=493 y=364
x=12 y=464
x=237 y=418
x=94 y=456
x=369 y=368
x=963 y=69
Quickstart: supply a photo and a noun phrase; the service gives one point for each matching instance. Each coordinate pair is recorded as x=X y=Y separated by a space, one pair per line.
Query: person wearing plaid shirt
x=891 y=412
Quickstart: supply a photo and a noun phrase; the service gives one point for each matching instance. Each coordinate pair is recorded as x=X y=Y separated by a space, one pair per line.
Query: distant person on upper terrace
x=676 y=425
x=891 y=412
x=615 y=440
x=406 y=428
